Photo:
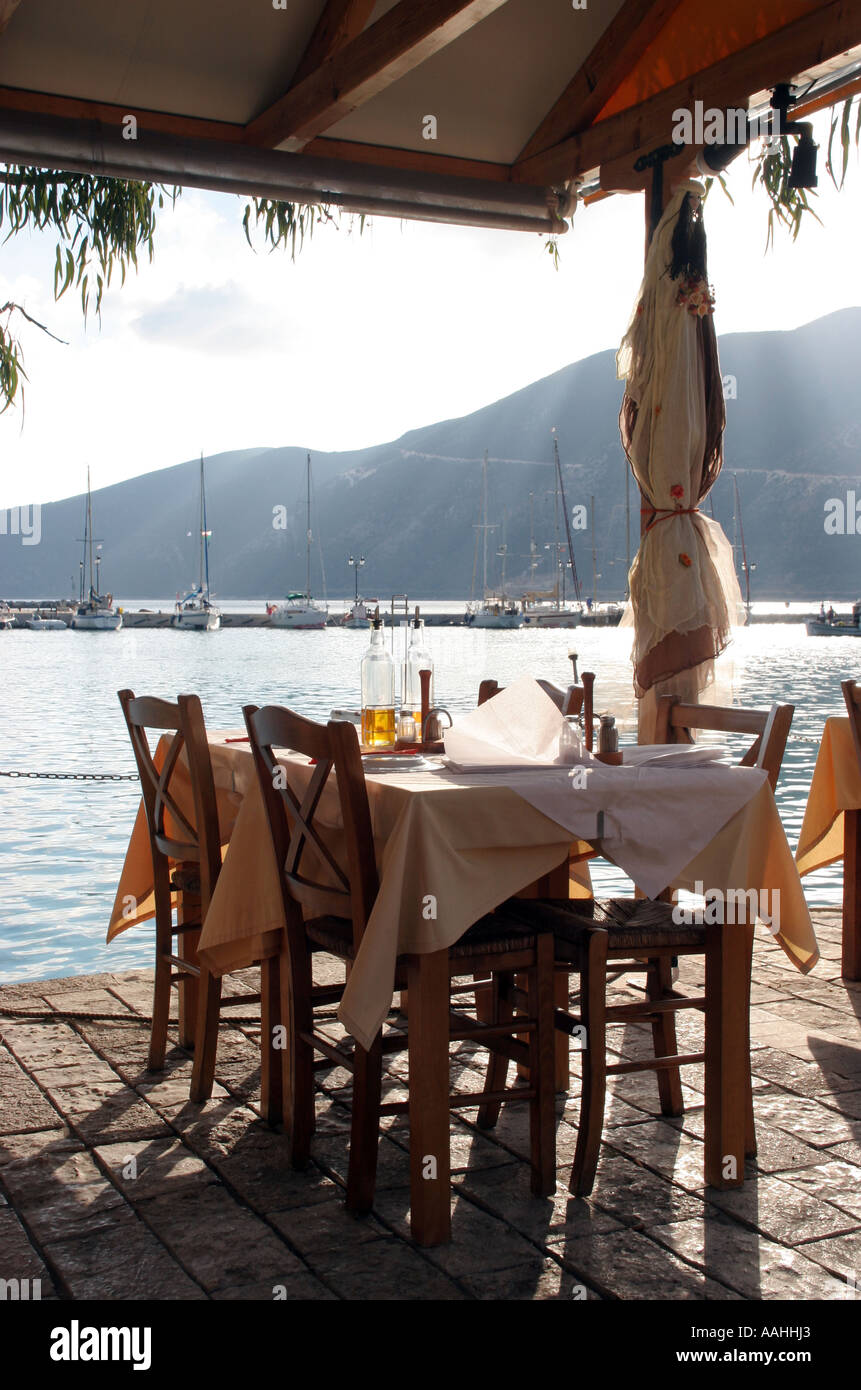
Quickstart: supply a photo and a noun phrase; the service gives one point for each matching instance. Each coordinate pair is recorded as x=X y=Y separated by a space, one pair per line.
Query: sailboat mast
x=484 y=519
x=556 y=537
x=90 y=528
x=205 y=531
x=308 y=526
x=202 y=525
x=532 y=560
x=561 y=486
x=594 y=556
x=745 y=566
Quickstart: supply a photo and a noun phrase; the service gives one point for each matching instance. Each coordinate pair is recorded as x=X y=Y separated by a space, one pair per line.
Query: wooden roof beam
x=401 y=40
x=614 y=57
x=340 y=23
x=806 y=43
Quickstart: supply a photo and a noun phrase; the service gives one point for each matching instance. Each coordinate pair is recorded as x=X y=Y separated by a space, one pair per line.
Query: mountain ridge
x=411 y=505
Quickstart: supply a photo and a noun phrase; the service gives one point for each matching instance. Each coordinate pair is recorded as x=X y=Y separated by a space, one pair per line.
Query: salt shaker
x=608 y=735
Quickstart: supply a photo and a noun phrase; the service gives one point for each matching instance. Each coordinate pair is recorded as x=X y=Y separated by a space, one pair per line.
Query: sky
x=367 y=334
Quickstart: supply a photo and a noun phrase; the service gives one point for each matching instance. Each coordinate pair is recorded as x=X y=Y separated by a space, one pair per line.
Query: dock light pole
x=356 y=565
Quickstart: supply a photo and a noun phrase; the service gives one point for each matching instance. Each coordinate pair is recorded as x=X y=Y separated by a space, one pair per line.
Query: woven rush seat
x=488 y=934
x=631 y=924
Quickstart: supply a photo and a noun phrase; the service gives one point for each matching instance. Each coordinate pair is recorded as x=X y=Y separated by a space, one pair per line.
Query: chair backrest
x=675 y=720
x=201 y=841
x=852 y=696
x=569 y=701
x=350 y=886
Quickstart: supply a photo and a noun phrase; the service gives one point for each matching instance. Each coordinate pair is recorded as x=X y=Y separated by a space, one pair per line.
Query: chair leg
x=593 y=1012
x=206 y=1036
x=297 y=1072
x=160 y=1005
x=271 y=1101
x=365 y=1127
x=496 y=1076
x=542 y=1068
x=659 y=983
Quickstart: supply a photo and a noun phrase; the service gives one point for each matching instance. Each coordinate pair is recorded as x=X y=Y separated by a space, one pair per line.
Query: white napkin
x=519 y=727
x=673 y=754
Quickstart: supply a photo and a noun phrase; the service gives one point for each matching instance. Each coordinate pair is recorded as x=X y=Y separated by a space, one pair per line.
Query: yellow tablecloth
x=836 y=787
x=448 y=851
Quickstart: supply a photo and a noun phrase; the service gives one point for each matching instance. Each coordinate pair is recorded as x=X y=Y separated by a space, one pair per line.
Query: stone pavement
x=113 y=1185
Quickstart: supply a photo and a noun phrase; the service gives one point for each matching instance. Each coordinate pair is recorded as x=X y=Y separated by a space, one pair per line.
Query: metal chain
x=78 y=776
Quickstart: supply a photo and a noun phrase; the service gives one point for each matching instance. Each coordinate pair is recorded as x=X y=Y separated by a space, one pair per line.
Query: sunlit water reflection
x=62 y=843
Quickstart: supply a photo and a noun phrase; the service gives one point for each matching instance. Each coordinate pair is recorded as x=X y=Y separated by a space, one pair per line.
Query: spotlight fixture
x=803 y=171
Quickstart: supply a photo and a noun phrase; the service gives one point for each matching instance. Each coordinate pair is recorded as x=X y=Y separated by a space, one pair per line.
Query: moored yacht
x=301 y=611
x=195 y=611
x=360 y=614
x=95 y=611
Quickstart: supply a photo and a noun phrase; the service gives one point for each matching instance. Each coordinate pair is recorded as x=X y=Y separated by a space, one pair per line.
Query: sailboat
x=301 y=611
x=195 y=611
x=494 y=611
x=549 y=609
x=599 y=614
x=95 y=612
x=746 y=567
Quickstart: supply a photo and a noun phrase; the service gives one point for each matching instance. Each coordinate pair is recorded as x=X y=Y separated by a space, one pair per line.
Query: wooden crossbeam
x=390 y=157
x=402 y=39
x=340 y=23
x=78 y=109
x=614 y=57
x=806 y=43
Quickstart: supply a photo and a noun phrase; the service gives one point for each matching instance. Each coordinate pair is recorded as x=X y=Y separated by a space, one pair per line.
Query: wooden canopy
x=330 y=100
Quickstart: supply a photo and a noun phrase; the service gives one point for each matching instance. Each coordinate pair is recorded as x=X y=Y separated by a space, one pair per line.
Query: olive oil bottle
x=378 y=691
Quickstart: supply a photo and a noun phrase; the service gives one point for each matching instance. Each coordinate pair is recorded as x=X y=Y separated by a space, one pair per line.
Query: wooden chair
x=641 y=936
x=328 y=895
x=568 y=701
x=186 y=860
x=675 y=721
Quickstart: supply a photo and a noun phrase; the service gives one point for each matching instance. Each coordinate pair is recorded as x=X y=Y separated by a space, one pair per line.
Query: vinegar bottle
x=378 y=691
x=418 y=659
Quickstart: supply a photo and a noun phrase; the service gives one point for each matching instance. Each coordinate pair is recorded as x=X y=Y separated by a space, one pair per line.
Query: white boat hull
x=818 y=629
x=300 y=619
x=97 y=622
x=199 y=621
x=496 y=620
x=45 y=625
x=558 y=618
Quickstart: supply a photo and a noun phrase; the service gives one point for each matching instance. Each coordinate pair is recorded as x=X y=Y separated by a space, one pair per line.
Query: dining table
x=451 y=844
x=831 y=829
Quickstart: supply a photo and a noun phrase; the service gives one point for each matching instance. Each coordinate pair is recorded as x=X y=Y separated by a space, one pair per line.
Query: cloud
x=219 y=320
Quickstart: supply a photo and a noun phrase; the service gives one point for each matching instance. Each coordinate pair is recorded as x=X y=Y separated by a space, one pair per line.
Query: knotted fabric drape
x=684 y=592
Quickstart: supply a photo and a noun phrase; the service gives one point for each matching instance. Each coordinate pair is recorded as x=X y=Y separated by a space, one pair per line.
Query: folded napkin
x=519 y=727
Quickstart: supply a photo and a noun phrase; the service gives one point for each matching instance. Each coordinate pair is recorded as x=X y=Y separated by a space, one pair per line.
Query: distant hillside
x=793 y=438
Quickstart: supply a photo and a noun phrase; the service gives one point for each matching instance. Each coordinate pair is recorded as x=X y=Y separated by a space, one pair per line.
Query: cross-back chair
x=641 y=936
x=676 y=720
x=568 y=701
x=186 y=859
x=329 y=885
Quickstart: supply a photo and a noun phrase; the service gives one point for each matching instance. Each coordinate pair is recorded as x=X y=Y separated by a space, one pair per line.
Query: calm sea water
x=62 y=843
